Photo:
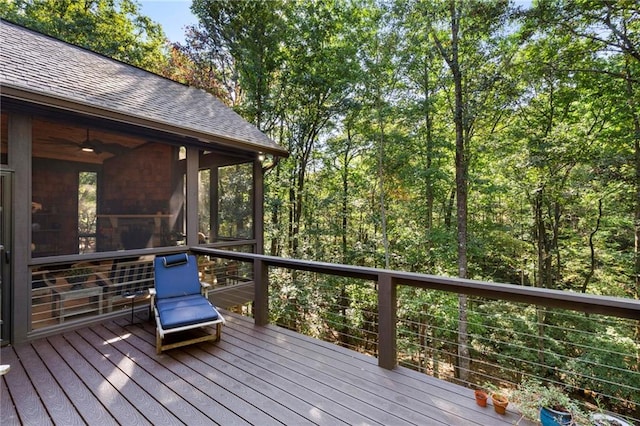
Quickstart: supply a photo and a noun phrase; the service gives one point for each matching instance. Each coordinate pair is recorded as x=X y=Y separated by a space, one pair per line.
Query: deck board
x=363 y=370
x=206 y=378
x=183 y=399
x=109 y=396
x=340 y=392
x=141 y=398
x=87 y=405
x=172 y=406
x=110 y=374
x=329 y=369
x=52 y=396
x=248 y=388
x=8 y=414
x=28 y=405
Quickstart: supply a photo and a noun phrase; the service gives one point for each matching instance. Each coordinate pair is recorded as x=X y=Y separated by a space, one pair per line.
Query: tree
x=613 y=29
x=472 y=45
x=243 y=39
x=199 y=63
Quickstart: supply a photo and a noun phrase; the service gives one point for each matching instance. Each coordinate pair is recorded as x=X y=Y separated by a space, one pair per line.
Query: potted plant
x=500 y=402
x=76 y=277
x=481 y=397
x=548 y=404
x=604 y=419
x=498 y=398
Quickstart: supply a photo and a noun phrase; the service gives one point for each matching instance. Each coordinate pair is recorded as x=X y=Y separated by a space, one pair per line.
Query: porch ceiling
x=60 y=141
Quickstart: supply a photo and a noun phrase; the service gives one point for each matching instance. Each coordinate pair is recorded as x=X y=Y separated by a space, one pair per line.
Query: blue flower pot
x=549 y=417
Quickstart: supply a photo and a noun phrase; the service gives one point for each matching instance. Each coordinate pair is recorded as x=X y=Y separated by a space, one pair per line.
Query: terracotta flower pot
x=500 y=403
x=481 y=398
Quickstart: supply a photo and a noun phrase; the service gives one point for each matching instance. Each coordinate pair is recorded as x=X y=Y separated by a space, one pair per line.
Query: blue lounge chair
x=180 y=302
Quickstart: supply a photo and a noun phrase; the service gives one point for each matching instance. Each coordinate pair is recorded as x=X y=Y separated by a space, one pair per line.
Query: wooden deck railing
x=572 y=340
x=392 y=328
x=388 y=281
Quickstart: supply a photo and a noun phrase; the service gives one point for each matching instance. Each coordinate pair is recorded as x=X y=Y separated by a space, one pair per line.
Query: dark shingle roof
x=35 y=64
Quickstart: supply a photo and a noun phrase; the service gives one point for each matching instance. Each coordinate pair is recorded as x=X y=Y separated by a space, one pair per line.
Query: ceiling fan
x=94 y=145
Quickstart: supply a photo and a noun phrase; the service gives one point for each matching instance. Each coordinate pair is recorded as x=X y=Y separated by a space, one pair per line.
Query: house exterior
x=101 y=161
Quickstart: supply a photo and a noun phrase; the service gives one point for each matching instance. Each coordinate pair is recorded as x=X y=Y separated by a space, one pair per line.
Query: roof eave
x=20 y=93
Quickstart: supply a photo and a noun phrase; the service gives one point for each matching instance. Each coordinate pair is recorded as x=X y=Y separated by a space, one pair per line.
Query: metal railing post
x=387 y=318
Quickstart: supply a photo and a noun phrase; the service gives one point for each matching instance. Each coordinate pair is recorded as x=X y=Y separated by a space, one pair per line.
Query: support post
x=214 y=203
x=258 y=206
x=20 y=141
x=261 y=289
x=387 y=317
x=191 y=201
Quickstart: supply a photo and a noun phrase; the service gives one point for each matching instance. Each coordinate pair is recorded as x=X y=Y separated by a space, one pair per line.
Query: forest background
x=464 y=138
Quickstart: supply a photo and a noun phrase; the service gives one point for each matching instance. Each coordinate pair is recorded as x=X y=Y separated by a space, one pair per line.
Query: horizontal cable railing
x=592 y=357
x=335 y=309
x=68 y=293
x=586 y=344
x=76 y=289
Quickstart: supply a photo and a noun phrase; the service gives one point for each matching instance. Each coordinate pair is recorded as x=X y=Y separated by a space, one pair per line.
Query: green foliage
x=605 y=369
x=235 y=208
x=363 y=95
x=87 y=202
x=531 y=395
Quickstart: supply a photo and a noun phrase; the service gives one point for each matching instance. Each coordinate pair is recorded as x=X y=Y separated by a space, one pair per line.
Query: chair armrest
x=204 y=289
x=152 y=299
x=48 y=283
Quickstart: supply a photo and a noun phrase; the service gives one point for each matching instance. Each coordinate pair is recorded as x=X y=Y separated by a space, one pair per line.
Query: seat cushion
x=180 y=301
x=184 y=311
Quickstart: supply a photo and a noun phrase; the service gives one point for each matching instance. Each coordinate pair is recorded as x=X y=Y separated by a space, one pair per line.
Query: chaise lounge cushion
x=178 y=276
x=184 y=311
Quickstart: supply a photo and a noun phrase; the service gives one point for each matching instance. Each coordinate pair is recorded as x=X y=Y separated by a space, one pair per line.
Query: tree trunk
x=592 y=268
x=345 y=197
x=463 y=361
x=544 y=266
x=383 y=210
x=275 y=221
x=429 y=192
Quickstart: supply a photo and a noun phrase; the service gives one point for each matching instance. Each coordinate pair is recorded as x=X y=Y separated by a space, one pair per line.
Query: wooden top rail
x=589 y=303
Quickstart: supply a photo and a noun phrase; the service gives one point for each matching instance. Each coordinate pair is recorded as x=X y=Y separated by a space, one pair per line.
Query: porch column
x=258 y=206
x=260 y=268
x=213 y=204
x=191 y=202
x=19 y=159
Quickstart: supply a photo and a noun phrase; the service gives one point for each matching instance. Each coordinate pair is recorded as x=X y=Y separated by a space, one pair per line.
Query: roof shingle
x=35 y=63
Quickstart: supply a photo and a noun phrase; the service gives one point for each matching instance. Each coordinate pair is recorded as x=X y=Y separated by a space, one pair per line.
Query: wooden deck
x=109 y=374
x=235 y=295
